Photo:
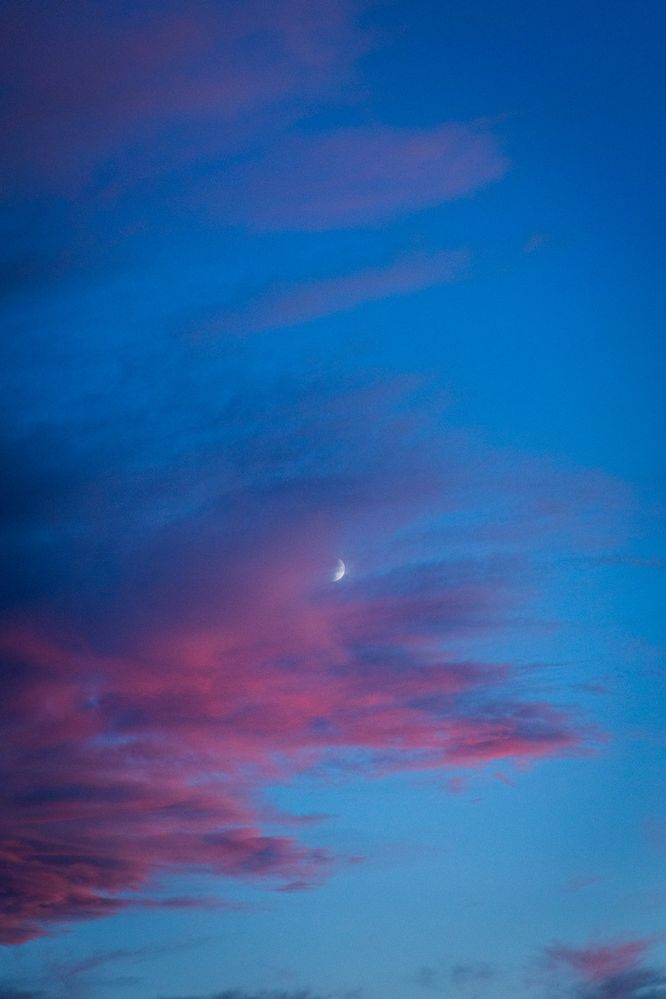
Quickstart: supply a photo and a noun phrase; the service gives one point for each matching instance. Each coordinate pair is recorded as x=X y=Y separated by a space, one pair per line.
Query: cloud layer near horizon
x=612 y=970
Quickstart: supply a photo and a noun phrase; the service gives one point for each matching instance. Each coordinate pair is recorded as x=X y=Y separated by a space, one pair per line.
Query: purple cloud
x=148 y=706
x=357 y=176
x=87 y=82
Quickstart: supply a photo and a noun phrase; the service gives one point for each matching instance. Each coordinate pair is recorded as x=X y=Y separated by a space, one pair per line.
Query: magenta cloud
x=598 y=962
x=160 y=673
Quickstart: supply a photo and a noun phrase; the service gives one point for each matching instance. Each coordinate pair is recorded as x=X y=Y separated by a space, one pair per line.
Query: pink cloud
x=147 y=707
x=124 y=768
x=597 y=963
x=295 y=304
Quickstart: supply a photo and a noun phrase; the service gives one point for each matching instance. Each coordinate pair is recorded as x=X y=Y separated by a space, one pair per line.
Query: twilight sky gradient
x=287 y=281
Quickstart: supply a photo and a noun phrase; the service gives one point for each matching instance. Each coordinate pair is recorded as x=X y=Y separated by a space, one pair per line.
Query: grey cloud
x=241 y=994
x=636 y=983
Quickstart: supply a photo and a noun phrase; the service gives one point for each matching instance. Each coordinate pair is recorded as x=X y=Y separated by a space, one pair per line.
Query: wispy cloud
x=97 y=102
x=441 y=978
x=294 y=304
x=148 y=703
x=8 y=991
x=86 y=84
x=242 y=994
x=614 y=970
x=357 y=176
x=604 y=961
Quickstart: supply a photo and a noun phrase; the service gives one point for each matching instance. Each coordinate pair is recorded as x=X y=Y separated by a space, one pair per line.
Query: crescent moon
x=340 y=570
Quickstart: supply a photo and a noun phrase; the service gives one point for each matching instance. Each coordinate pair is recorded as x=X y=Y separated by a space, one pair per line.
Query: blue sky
x=290 y=283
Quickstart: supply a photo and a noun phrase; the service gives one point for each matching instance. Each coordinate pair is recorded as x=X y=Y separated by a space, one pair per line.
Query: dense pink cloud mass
x=126 y=768
x=189 y=658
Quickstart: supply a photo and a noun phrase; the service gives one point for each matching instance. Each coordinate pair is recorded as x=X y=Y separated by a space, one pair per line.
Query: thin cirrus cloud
x=295 y=304
x=80 y=978
x=94 y=102
x=122 y=120
x=357 y=176
x=163 y=667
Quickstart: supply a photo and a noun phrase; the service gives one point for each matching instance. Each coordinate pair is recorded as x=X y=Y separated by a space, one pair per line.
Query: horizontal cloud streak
x=358 y=176
x=297 y=304
x=243 y=994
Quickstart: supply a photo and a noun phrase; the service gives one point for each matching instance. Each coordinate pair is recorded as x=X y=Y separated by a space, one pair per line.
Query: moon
x=340 y=570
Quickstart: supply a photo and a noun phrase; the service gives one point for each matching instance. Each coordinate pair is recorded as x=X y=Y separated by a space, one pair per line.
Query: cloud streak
x=359 y=176
x=292 y=305
x=242 y=994
x=213 y=105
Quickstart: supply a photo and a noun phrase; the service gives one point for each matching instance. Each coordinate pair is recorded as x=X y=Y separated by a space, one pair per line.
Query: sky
x=292 y=282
